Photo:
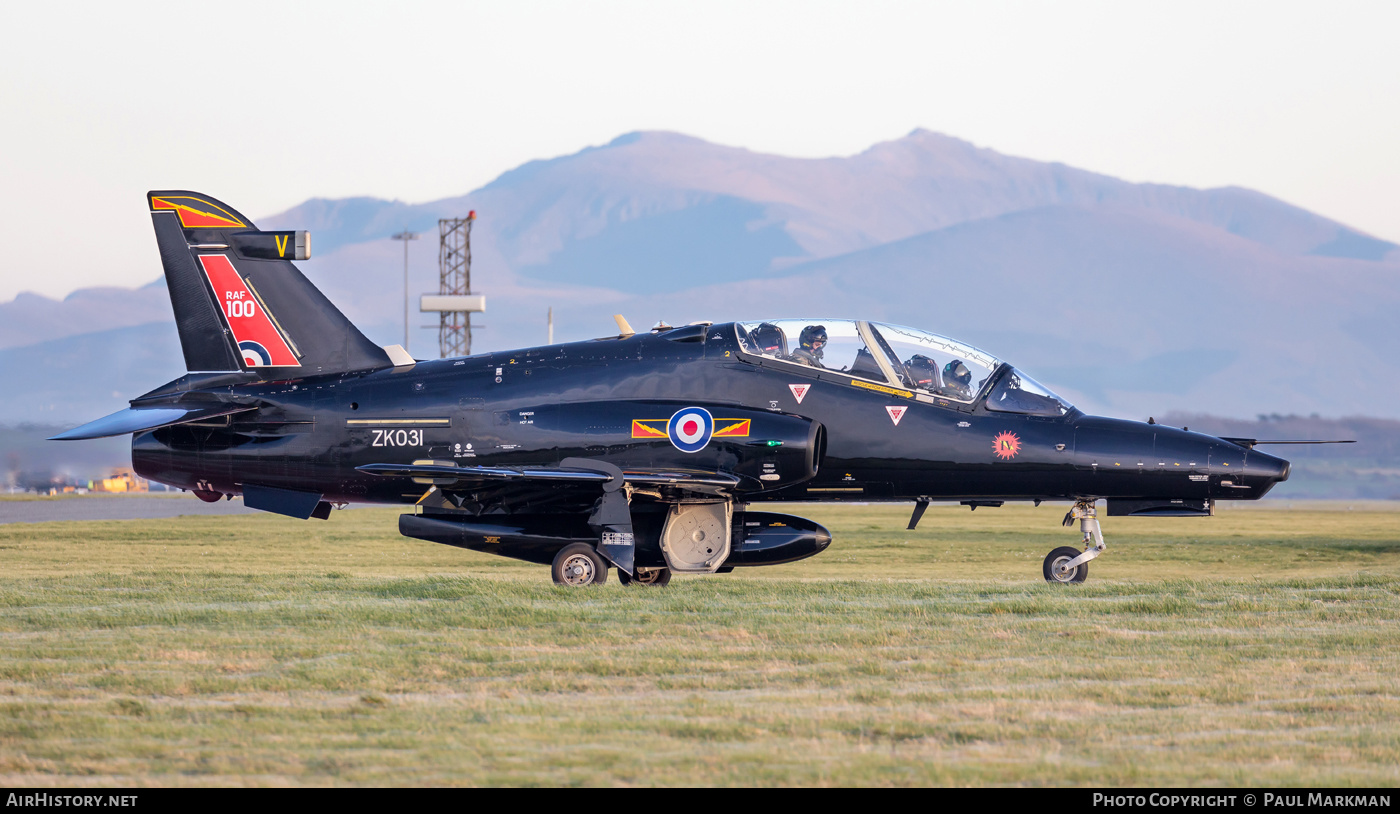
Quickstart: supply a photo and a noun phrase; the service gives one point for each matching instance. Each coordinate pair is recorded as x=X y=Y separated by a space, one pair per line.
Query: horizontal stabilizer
x=140 y=419
x=450 y=474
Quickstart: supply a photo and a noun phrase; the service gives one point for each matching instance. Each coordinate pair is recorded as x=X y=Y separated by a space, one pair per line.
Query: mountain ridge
x=709 y=169
x=1191 y=289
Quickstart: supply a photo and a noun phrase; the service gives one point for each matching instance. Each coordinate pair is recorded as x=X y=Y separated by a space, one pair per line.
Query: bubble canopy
x=900 y=356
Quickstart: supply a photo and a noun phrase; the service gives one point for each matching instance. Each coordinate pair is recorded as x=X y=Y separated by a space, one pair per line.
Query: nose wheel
x=1067 y=564
x=1057 y=566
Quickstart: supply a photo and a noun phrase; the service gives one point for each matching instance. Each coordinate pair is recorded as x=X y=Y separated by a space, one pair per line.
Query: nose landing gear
x=1066 y=564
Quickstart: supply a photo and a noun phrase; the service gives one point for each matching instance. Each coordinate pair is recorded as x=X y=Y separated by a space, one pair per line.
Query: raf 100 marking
x=236 y=306
x=398 y=438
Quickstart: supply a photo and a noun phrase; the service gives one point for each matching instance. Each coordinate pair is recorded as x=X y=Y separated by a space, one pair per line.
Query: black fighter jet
x=645 y=452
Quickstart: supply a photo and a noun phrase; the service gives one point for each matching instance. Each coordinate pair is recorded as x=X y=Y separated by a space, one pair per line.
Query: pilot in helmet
x=923 y=372
x=957 y=380
x=812 y=340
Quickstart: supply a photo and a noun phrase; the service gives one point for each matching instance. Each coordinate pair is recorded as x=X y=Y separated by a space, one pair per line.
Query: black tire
x=1064 y=554
x=578 y=565
x=650 y=576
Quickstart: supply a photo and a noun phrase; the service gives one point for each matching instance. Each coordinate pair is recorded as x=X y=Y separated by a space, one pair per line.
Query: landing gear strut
x=645 y=576
x=1066 y=564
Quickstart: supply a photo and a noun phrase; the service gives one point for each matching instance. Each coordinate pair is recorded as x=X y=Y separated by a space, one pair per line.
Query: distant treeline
x=1368 y=469
x=28 y=460
x=1376 y=439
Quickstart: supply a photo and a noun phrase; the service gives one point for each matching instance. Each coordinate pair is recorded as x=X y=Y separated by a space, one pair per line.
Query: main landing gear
x=646 y=576
x=1066 y=564
x=579 y=564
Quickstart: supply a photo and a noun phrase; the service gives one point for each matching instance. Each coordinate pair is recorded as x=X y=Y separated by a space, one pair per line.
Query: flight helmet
x=813 y=339
x=956 y=374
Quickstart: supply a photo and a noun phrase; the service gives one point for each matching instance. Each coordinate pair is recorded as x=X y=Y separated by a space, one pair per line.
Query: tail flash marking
x=281 y=244
x=259 y=342
x=197 y=214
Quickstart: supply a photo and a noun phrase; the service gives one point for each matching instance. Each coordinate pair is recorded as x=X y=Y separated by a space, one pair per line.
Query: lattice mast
x=455 y=280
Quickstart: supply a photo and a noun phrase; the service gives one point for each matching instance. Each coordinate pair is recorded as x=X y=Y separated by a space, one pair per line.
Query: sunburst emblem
x=1006 y=445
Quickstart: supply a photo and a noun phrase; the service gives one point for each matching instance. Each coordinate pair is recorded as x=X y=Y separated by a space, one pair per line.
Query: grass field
x=1258 y=647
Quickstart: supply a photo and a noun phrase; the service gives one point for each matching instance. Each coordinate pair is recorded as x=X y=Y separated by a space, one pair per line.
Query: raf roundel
x=690 y=429
x=254 y=355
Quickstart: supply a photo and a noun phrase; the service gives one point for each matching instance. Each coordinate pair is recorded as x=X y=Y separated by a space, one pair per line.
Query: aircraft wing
x=140 y=419
x=596 y=487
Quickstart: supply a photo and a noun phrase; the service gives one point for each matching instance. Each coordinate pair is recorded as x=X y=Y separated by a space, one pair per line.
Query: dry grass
x=1257 y=647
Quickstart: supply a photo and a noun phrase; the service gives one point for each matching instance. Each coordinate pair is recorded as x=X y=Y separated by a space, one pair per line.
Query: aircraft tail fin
x=240 y=304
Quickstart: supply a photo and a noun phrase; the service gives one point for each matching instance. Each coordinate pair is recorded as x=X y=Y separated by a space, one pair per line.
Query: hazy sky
x=267 y=104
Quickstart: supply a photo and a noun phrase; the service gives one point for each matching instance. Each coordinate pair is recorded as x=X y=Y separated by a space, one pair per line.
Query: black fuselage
x=609 y=399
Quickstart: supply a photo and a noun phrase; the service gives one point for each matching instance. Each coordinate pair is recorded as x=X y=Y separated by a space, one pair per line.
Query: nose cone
x=822 y=538
x=1262 y=471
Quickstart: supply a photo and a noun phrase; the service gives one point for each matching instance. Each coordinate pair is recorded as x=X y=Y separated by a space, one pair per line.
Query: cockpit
x=893 y=355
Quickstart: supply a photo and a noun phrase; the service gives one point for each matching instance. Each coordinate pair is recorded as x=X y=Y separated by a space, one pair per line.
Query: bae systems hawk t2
x=652 y=453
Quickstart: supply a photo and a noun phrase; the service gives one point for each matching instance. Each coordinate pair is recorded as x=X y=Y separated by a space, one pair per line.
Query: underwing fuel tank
x=756 y=538
x=764 y=538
